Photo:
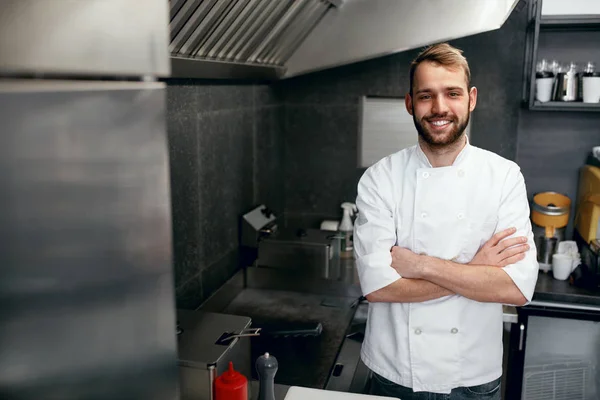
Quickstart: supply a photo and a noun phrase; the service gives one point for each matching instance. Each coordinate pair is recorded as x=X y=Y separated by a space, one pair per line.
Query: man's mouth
x=440 y=123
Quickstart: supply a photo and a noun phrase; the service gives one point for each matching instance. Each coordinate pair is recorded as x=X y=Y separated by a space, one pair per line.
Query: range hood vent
x=239 y=38
x=280 y=39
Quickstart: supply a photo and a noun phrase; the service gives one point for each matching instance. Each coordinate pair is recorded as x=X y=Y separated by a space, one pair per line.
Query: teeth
x=439 y=123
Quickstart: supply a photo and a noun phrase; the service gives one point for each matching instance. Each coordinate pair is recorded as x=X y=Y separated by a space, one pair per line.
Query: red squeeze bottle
x=231 y=385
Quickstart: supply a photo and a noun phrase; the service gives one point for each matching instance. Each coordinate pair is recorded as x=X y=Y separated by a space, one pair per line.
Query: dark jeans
x=383 y=387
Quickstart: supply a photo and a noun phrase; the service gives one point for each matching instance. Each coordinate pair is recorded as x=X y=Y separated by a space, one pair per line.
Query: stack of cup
x=565 y=260
x=591 y=87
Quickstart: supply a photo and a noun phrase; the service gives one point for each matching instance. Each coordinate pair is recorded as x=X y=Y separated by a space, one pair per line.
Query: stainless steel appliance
x=203 y=356
x=273 y=39
x=311 y=250
x=85 y=217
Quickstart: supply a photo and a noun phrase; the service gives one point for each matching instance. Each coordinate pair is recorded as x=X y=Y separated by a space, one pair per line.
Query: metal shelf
x=565 y=106
x=570 y=22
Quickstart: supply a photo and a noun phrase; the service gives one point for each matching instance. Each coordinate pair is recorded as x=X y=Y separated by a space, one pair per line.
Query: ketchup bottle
x=231 y=385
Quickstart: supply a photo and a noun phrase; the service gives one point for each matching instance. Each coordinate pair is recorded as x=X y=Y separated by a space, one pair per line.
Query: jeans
x=383 y=387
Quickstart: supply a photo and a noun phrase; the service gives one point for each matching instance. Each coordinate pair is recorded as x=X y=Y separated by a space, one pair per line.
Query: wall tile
x=321 y=157
x=214 y=276
x=190 y=295
x=269 y=173
x=185 y=200
x=225 y=182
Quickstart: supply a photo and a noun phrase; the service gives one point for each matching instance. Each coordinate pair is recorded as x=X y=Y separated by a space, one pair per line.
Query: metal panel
x=266 y=8
x=217 y=33
x=232 y=29
x=366 y=29
x=273 y=36
x=227 y=53
x=85 y=225
x=175 y=6
x=300 y=28
x=208 y=69
x=186 y=21
x=208 y=22
x=268 y=20
x=92 y=37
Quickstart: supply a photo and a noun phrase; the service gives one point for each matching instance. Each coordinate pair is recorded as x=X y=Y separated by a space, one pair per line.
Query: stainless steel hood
x=239 y=38
x=276 y=39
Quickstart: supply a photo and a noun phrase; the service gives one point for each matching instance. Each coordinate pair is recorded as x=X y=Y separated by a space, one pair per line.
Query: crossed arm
x=504 y=270
x=428 y=278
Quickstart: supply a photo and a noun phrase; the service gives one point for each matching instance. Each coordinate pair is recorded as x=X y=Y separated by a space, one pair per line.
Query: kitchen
x=293 y=144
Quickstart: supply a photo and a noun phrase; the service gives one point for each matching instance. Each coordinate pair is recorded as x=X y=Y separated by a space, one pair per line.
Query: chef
x=442 y=240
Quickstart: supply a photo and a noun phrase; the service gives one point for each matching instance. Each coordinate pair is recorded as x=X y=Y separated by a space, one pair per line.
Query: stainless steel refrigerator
x=87 y=301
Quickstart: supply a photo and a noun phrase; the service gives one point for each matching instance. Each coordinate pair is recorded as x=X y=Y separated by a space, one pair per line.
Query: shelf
x=570 y=22
x=565 y=106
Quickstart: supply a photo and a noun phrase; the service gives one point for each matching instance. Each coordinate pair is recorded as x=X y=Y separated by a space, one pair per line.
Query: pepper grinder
x=266 y=366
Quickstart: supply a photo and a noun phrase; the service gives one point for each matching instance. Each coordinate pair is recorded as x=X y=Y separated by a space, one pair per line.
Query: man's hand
x=500 y=253
x=406 y=262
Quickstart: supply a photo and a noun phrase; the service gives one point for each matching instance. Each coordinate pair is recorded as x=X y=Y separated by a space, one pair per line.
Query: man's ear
x=408 y=103
x=472 y=98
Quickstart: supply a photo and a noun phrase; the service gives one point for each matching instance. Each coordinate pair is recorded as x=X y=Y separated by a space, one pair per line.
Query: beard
x=439 y=140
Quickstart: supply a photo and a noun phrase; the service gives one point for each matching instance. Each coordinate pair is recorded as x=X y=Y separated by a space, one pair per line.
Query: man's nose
x=439 y=105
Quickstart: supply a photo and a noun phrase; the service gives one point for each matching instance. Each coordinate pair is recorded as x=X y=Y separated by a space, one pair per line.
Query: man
x=442 y=240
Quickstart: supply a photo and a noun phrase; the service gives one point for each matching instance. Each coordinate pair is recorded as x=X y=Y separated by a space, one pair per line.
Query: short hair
x=441 y=54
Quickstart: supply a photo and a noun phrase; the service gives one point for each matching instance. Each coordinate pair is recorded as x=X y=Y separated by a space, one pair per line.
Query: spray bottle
x=346 y=228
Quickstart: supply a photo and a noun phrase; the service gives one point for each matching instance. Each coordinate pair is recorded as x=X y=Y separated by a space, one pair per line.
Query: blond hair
x=441 y=54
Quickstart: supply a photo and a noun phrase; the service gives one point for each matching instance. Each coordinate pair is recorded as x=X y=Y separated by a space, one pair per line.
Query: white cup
x=591 y=89
x=543 y=89
x=562 y=266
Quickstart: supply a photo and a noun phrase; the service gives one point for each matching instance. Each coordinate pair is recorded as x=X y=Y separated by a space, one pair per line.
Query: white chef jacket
x=448 y=213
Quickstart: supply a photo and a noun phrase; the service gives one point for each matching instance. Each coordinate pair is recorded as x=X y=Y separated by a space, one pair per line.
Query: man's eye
x=454 y=94
x=426 y=97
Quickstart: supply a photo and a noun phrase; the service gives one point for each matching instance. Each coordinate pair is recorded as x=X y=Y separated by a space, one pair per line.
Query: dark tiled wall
x=552 y=148
x=224 y=146
x=321 y=116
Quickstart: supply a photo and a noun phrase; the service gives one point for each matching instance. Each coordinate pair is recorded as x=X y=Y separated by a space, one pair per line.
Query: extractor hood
x=274 y=39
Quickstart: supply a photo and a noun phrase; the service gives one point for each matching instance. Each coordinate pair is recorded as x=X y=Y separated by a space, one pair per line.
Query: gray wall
x=321 y=116
x=552 y=148
x=225 y=158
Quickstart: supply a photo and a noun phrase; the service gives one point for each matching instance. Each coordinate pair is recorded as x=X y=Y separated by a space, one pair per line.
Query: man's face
x=441 y=103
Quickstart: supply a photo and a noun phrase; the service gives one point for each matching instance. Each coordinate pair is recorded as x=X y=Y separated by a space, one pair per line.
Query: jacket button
x=454 y=330
x=460 y=215
x=417 y=331
x=424 y=215
x=425 y=175
x=461 y=173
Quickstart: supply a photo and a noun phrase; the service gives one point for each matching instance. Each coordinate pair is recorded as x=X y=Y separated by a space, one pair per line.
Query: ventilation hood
x=275 y=39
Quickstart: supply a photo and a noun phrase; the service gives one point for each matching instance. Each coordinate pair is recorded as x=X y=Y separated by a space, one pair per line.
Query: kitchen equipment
x=330 y=225
x=543 y=86
x=549 y=215
x=587 y=219
x=308 y=249
x=302 y=393
x=231 y=385
x=276 y=330
x=201 y=358
x=587 y=71
x=591 y=88
x=562 y=266
x=266 y=366
x=565 y=85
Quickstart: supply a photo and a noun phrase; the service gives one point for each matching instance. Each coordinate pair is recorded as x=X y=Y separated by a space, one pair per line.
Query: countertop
x=549 y=289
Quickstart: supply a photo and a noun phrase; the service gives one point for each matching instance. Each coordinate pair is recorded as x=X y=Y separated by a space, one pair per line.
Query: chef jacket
x=448 y=213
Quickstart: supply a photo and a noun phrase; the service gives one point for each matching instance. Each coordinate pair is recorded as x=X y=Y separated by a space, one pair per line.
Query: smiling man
x=442 y=240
